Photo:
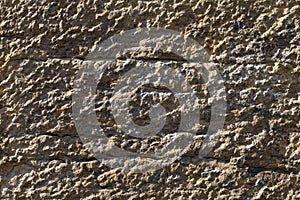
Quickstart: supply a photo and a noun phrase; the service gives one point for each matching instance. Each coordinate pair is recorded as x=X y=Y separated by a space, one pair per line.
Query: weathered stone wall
x=256 y=47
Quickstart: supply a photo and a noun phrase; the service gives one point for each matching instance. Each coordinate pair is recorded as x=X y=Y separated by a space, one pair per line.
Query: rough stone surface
x=256 y=46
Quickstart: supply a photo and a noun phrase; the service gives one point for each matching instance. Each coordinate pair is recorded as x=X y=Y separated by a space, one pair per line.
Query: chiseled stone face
x=46 y=153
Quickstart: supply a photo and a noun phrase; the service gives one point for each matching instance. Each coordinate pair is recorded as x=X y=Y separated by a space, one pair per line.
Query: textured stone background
x=256 y=46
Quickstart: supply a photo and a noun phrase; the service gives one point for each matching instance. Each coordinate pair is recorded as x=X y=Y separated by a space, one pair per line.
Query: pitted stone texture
x=256 y=45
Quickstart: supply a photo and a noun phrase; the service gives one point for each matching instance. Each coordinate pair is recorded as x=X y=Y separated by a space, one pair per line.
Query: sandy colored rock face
x=255 y=45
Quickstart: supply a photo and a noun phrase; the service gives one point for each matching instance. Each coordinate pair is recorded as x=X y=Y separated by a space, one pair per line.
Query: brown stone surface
x=256 y=47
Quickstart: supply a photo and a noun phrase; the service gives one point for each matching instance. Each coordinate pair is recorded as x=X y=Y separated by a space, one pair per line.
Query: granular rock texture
x=256 y=47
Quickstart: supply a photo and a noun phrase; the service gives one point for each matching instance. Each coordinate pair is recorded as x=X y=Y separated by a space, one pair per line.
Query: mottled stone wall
x=256 y=47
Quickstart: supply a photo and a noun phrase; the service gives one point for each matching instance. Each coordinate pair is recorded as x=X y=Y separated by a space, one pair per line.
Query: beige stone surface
x=256 y=47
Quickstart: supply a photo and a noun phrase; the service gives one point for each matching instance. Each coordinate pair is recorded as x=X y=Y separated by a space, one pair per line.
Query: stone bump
x=255 y=46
